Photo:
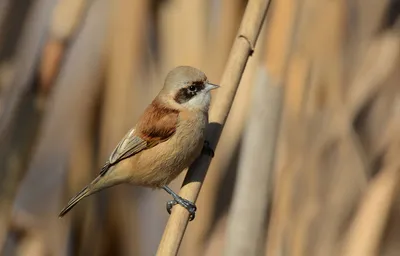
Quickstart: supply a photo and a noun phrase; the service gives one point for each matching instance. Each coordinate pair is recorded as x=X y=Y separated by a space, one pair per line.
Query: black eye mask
x=186 y=93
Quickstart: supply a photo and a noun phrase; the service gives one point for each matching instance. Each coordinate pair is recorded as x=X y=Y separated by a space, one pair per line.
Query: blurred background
x=76 y=74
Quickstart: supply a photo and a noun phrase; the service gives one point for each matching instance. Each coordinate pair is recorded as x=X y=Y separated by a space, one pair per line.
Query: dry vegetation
x=307 y=163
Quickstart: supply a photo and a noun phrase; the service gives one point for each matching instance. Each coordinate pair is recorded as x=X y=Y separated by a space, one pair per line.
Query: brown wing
x=129 y=145
x=155 y=126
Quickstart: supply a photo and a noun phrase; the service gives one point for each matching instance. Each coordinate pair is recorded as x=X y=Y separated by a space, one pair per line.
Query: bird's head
x=188 y=87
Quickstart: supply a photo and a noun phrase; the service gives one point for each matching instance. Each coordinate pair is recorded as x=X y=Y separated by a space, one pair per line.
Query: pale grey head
x=189 y=87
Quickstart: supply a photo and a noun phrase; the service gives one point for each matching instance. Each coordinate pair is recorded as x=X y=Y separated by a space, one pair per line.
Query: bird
x=168 y=137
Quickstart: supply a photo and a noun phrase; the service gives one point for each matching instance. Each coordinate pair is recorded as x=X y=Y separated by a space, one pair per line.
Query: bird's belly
x=161 y=164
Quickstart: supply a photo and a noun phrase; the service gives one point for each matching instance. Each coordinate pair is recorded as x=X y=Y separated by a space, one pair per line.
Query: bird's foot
x=189 y=206
x=207 y=150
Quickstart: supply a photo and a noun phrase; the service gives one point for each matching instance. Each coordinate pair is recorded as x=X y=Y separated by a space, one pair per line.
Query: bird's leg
x=191 y=207
x=207 y=150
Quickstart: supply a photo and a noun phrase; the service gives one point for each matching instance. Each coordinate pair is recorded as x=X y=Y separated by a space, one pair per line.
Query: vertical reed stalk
x=241 y=51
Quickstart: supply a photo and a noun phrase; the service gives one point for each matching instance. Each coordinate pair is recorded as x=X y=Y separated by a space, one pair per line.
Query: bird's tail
x=86 y=191
x=82 y=194
x=93 y=187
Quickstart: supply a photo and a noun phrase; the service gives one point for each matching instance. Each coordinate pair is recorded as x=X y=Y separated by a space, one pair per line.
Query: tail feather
x=82 y=194
x=99 y=183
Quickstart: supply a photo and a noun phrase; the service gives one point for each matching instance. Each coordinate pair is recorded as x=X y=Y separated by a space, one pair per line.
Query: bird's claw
x=170 y=204
x=189 y=206
x=207 y=150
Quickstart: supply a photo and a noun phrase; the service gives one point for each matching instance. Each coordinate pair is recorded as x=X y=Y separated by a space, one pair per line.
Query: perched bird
x=168 y=137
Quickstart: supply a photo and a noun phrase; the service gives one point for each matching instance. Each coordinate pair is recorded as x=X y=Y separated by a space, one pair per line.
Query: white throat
x=199 y=102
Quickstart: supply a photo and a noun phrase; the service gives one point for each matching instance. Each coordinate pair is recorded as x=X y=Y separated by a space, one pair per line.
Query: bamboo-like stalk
x=16 y=72
x=249 y=206
x=280 y=33
x=367 y=231
x=23 y=64
x=38 y=202
x=80 y=166
x=127 y=38
x=182 y=19
x=315 y=227
x=368 y=228
x=4 y=9
x=66 y=18
x=215 y=244
x=241 y=51
x=214 y=190
x=219 y=41
x=220 y=166
x=221 y=36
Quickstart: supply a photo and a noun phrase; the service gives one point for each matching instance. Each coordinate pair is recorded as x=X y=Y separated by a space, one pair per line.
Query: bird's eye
x=192 y=88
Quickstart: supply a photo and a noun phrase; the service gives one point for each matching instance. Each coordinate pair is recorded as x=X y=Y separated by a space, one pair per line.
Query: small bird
x=168 y=137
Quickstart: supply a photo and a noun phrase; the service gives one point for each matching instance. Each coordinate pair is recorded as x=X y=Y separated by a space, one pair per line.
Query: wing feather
x=157 y=125
x=129 y=145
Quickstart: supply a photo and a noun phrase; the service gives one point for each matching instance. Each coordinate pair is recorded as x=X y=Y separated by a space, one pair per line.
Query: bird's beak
x=210 y=86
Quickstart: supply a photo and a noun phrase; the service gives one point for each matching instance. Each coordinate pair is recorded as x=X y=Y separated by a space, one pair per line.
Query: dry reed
x=240 y=52
x=93 y=66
